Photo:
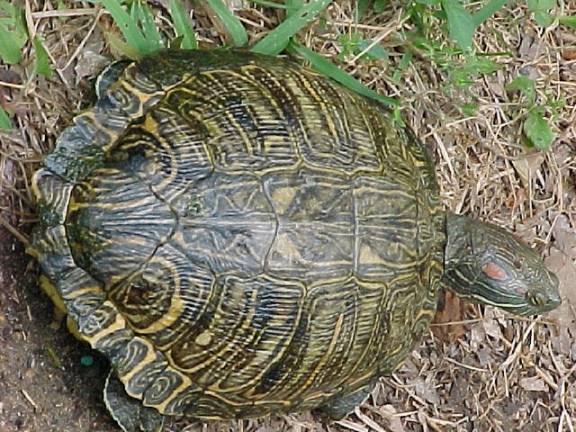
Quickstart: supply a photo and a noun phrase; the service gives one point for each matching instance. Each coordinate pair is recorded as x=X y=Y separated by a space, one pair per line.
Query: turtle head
x=485 y=264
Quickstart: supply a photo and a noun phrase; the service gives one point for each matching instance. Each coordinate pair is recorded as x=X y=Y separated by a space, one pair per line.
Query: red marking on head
x=494 y=271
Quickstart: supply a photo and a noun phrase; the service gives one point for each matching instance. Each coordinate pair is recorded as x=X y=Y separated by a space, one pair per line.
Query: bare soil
x=487 y=372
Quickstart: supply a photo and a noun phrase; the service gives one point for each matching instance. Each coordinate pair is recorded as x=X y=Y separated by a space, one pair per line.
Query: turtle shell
x=240 y=235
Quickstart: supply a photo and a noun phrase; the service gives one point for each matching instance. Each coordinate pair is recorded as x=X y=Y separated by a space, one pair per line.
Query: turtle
x=242 y=236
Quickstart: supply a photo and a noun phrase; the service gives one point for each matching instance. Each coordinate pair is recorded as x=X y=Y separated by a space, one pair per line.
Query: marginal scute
x=239 y=236
x=50 y=244
x=82 y=293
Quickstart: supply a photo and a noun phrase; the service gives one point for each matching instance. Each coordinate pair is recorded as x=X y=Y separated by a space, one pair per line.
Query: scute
x=240 y=235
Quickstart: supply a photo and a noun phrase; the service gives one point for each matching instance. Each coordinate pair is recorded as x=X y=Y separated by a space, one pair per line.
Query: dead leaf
x=565 y=315
x=426 y=390
x=450 y=311
x=89 y=65
x=533 y=384
x=527 y=166
x=569 y=54
x=390 y=413
x=564 y=235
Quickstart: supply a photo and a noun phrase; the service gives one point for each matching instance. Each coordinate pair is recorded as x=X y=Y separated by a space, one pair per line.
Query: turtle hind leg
x=128 y=412
x=340 y=407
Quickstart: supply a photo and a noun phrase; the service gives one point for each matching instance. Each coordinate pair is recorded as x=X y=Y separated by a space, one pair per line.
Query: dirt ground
x=487 y=372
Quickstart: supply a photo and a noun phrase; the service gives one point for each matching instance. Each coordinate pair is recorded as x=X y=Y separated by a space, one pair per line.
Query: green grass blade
x=460 y=23
x=42 y=65
x=402 y=65
x=121 y=46
x=568 y=21
x=9 y=49
x=362 y=6
x=127 y=26
x=5 y=122
x=141 y=13
x=487 y=11
x=278 y=38
x=233 y=24
x=269 y=4
x=329 y=69
x=182 y=24
x=293 y=6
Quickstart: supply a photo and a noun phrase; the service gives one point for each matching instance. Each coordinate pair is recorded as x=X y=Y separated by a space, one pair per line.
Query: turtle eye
x=535 y=299
x=517 y=264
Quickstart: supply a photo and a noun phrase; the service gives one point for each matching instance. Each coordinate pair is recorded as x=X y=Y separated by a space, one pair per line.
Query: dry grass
x=504 y=373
